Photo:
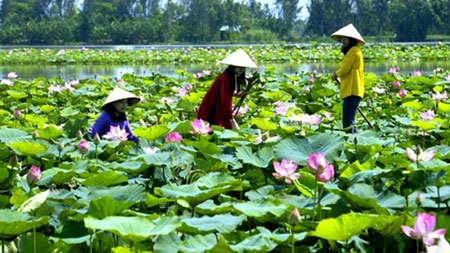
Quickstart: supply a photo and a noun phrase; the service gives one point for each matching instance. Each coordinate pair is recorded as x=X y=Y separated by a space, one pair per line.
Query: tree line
x=63 y=22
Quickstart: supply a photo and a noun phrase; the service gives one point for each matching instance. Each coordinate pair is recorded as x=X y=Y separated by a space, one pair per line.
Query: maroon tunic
x=216 y=107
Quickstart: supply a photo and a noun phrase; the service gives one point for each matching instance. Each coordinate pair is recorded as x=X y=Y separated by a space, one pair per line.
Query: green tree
x=287 y=12
x=411 y=19
x=170 y=23
x=326 y=16
x=441 y=13
x=202 y=22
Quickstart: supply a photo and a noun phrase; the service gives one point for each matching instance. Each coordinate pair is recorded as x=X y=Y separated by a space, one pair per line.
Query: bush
x=260 y=36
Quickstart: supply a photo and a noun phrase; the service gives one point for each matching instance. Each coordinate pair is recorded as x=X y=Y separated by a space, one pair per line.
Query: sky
x=302 y=3
x=303 y=14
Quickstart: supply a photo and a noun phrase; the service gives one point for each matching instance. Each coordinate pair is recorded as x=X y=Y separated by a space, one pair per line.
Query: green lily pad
x=27 y=147
x=134 y=228
x=14 y=223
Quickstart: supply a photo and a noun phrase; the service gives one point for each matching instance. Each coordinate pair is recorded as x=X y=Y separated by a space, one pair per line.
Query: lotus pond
x=290 y=180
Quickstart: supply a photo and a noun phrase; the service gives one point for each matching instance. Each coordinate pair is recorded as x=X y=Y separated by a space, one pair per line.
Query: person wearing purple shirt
x=114 y=115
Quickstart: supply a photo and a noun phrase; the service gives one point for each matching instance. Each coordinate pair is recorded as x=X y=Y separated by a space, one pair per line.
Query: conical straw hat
x=119 y=94
x=239 y=58
x=348 y=31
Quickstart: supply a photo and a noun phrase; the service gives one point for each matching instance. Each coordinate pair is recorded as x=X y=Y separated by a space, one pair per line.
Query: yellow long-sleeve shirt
x=351 y=74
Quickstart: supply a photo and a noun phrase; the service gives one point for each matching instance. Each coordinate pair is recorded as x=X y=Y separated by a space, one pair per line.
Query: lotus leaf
x=345 y=226
x=298 y=149
x=8 y=134
x=134 y=228
x=14 y=223
x=222 y=223
x=169 y=243
x=105 y=178
x=50 y=132
x=151 y=133
x=27 y=147
x=34 y=202
x=107 y=206
x=263 y=210
x=261 y=159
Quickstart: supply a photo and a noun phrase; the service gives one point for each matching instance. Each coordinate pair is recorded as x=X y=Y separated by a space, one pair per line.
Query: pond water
x=71 y=72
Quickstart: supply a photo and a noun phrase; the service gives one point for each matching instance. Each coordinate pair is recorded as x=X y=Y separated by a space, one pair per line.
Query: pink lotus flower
x=116 y=134
x=420 y=155
x=12 y=75
x=200 y=127
x=327 y=174
x=442 y=247
x=448 y=78
x=438 y=96
x=167 y=100
x=423 y=228
x=394 y=70
x=242 y=110
x=259 y=138
x=181 y=92
x=33 y=174
x=417 y=73
x=402 y=92
x=307 y=89
x=72 y=83
x=378 y=90
x=428 y=115
x=7 y=82
x=280 y=108
x=149 y=150
x=396 y=84
x=174 y=137
x=317 y=163
x=286 y=169
x=188 y=86
x=83 y=147
x=54 y=88
x=306 y=119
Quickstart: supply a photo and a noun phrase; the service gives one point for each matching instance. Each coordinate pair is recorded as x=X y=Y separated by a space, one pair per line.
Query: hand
x=253 y=77
x=240 y=94
x=234 y=124
x=334 y=77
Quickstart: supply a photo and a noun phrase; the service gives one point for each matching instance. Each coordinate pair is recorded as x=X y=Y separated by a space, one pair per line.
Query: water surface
x=71 y=72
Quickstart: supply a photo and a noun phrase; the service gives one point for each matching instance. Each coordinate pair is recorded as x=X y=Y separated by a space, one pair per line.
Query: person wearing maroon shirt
x=216 y=106
x=114 y=114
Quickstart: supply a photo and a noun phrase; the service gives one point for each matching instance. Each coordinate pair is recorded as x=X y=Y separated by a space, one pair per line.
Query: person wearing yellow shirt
x=350 y=75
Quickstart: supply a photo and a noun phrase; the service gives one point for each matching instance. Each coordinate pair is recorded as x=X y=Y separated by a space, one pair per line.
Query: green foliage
x=218 y=192
x=35 y=22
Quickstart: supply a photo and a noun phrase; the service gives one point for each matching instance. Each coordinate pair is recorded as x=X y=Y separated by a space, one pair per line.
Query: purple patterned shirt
x=104 y=122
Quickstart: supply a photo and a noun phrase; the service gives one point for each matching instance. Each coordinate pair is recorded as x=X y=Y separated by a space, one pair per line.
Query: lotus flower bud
x=33 y=174
x=60 y=146
x=419 y=199
x=35 y=134
x=14 y=160
x=83 y=147
x=17 y=114
x=79 y=134
x=96 y=139
x=294 y=217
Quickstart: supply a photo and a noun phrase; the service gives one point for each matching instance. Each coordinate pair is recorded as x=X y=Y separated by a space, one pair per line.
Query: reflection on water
x=71 y=72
